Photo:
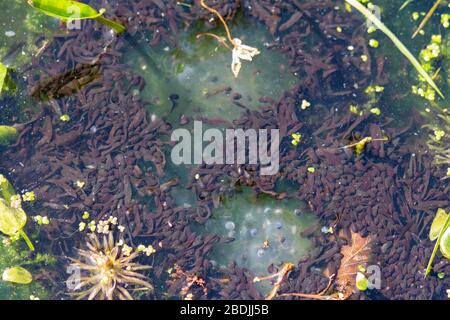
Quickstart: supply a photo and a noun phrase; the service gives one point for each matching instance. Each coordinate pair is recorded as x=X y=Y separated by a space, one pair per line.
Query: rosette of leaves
x=440 y=232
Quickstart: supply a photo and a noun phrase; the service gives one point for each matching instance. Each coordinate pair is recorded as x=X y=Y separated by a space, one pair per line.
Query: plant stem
x=214 y=11
x=27 y=240
x=117 y=27
x=219 y=39
x=427 y=17
x=400 y=46
x=436 y=246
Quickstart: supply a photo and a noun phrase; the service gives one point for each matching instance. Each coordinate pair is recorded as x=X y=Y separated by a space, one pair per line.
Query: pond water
x=363 y=151
x=265 y=232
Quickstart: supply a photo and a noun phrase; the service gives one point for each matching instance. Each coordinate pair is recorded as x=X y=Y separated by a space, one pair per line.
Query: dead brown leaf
x=357 y=253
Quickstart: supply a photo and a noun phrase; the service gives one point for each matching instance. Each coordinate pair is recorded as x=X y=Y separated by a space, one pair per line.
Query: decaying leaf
x=241 y=51
x=355 y=254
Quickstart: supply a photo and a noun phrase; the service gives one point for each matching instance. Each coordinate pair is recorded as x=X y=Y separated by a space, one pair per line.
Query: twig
x=320 y=296
x=220 y=39
x=427 y=17
x=214 y=11
x=281 y=275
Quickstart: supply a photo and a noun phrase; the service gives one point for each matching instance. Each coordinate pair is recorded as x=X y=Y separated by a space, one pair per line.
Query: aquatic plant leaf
x=3 y=72
x=6 y=189
x=400 y=46
x=17 y=275
x=436 y=246
x=362 y=283
x=67 y=10
x=355 y=254
x=7 y=135
x=12 y=220
x=438 y=224
x=444 y=244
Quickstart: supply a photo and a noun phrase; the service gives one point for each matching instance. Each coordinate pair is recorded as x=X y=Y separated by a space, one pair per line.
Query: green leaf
x=66 y=9
x=17 y=275
x=73 y=10
x=362 y=283
x=444 y=244
x=12 y=220
x=3 y=72
x=6 y=189
x=400 y=46
x=7 y=135
x=438 y=224
x=436 y=246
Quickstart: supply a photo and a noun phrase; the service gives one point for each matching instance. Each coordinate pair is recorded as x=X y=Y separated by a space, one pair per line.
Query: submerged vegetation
x=17 y=267
x=6 y=82
x=239 y=50
x=357 y=186
x=440 y=232
x=108 y=270
x=369 y=15
x=12 y=217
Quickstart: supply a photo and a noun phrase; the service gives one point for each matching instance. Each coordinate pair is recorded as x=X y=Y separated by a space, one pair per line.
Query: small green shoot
x=400 y=46
x=68 y=10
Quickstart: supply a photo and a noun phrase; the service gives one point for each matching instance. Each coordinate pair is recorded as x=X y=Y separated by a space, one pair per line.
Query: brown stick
x=427 y=17
x=221 y=40
x=214 y=11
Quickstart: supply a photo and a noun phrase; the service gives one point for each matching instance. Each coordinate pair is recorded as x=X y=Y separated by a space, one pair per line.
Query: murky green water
x=194 y=81
x=265 y=232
